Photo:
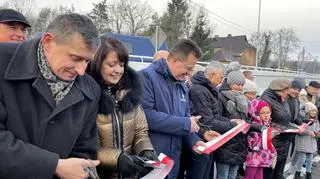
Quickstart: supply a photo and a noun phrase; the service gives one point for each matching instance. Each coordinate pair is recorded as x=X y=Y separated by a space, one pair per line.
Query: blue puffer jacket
x=165 y=102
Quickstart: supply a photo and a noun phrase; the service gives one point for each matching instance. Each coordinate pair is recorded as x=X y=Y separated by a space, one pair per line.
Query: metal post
x=258 y=31
x=157 y=38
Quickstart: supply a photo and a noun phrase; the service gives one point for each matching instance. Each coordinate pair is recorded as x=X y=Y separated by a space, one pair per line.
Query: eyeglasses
x=261 y=113
x=189 y=68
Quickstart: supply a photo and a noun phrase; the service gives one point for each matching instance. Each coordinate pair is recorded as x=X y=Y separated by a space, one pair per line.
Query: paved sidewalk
x=315 y=169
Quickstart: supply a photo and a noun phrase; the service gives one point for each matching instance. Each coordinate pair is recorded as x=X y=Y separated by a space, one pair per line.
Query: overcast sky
x=304 y=15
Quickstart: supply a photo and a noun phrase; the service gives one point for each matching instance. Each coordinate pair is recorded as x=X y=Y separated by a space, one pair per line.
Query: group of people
x=71 y=107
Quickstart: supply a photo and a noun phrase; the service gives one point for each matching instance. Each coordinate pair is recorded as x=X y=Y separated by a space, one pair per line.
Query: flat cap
x=280 y=84
x=10 y=15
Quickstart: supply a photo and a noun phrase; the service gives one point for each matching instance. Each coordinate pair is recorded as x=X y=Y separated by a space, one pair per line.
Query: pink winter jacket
x=257 y=156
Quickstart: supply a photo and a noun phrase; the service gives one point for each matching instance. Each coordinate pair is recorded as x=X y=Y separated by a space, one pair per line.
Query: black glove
x=131 y=166
x=149 y=154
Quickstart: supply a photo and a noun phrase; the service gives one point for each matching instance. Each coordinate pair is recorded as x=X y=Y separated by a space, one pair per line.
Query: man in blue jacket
x=165 y=102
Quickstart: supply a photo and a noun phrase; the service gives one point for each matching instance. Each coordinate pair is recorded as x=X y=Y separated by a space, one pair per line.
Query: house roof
x=224 y=55
x=234 y=44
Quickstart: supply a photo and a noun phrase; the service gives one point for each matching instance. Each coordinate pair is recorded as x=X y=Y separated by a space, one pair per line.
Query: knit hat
x=233 y=66
x=250 y=86
x=255 y=107
x=296 y=84
x=280 y=84
x=309 y=106
x=236 y=77
x=314 y=84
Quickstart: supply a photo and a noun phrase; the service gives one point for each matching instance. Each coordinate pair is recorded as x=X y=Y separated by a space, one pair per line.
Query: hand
x=311 y=134
x=149 y=154
x=194 y=126
x=210 y=135
x=238 y=121
x=195 y=147
x=317 y=133
x=130 y=166
x=302 y=127
x=73 y=168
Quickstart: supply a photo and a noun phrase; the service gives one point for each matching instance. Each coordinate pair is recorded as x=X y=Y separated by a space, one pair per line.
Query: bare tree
x=263 y=44
x=137 y=16
x=5 y=5
x=285 y=41
x=46 y=15
x=116 y=15
x=26 y=7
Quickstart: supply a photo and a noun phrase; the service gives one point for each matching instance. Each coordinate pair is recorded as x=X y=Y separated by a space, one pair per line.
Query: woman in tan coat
x=123 y=130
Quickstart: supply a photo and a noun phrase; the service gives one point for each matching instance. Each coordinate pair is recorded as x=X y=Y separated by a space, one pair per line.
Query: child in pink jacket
x=259 y=158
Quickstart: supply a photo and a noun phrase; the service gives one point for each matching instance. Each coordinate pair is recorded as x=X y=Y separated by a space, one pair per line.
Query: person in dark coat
x=276 y=96
x=235 y=106
x=48 y=104
x=165 y=102
x=204 y=102
x=294 y=103
x=294 y=106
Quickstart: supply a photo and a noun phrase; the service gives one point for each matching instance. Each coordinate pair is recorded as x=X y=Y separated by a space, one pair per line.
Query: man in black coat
x=48 y=104
x=276 y=96
x=204 y=102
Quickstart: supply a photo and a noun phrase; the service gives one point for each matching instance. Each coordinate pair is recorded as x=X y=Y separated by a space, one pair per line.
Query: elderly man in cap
x=276 y=96
x=13 y=26
x=310 y=93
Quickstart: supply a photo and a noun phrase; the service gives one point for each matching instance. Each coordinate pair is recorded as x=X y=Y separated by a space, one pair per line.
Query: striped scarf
x=59 y=88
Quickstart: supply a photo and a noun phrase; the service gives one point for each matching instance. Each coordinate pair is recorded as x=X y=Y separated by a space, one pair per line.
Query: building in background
x=234 y=48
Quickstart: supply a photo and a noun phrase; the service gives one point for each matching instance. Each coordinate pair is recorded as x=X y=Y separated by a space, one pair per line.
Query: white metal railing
x=253 y=68
x=243 y=67
x=142 y=58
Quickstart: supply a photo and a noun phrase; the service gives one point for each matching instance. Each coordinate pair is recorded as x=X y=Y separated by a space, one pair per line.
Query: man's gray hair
x=66 y=25
x=214 y=66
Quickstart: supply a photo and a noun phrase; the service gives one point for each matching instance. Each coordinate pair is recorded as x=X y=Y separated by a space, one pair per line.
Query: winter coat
x=235 y=150
x=281 y=117
x=34 y=131
x=294 y=106
x=306 y=143
x=257 y=156
x=165 y=102
x=132 y=131
x=204 y=102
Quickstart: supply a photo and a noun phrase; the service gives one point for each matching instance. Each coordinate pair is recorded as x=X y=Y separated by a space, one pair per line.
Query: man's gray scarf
x=59 y=88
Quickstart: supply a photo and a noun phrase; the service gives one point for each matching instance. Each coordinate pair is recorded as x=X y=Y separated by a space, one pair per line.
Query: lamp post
x=258 y=31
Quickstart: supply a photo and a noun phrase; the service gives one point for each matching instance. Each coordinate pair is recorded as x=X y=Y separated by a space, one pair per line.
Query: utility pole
x=257 y=57
x=302 y=61
x=157 y=38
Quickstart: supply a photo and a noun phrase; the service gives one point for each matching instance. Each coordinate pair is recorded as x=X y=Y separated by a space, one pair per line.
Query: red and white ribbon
x=299 y=129
x=163 y=167
x=219 y=141
x=267 y=139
